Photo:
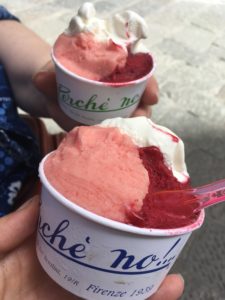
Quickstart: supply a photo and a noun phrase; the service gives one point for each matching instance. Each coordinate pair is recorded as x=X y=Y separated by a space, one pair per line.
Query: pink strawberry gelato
x=100 y=170
x=87 y=57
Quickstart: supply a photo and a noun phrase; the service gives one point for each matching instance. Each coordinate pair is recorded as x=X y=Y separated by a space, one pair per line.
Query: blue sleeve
x=6 y=15
x=19 y=148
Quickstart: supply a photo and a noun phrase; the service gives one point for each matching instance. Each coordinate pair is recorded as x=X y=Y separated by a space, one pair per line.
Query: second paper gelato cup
x=97 y=258
x=90 y=102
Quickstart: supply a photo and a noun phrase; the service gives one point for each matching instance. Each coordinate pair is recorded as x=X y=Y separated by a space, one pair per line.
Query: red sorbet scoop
x=158 y=212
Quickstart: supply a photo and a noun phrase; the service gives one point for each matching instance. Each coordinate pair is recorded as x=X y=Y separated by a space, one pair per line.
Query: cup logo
x=93 y=103
x=119 y=261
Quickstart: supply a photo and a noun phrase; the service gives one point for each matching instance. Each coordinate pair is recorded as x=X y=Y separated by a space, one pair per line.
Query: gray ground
x=187 y=39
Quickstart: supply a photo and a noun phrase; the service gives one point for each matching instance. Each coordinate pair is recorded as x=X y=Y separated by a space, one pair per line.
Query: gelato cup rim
x=107 y=84
x=111 y=223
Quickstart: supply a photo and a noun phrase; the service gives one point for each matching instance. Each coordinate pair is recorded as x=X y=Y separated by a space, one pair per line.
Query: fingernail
x=48 y=67
x=181 y=277
x=25 y=204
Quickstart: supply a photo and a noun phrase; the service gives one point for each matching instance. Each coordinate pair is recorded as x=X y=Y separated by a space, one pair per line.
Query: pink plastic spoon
x=194 y=199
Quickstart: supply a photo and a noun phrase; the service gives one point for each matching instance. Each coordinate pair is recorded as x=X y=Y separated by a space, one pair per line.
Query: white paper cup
x=90 y=102
x=96 y=258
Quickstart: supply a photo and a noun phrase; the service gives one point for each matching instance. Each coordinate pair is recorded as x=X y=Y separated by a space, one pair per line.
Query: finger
x=171 y=289
x=45 y=81
x=151 y=93
x=19 y=225
x=143 y=110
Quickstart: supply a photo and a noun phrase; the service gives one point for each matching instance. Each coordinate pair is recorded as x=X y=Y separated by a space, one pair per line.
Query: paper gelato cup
x=97 y=258
x=90 y=102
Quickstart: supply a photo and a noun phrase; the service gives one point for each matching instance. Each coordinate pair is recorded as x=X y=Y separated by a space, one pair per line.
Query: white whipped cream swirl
x=125 y=29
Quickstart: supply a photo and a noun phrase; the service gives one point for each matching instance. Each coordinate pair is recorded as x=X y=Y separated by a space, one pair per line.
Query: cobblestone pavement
x=187 y=39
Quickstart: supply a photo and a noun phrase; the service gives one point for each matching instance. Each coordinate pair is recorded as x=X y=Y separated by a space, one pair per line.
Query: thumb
x=171 y=288
x=45 y=81
x=19 y=225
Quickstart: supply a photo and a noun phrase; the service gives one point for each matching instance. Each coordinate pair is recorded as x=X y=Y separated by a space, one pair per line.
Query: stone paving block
x=221 y=94
x=179 y=51
x=199 y=102
x=68 y=4
x=162 y=110
x=19 y=6
x=210 y=76
x=202 y=264
x=48 y=21
x=211 y=19
x=196 y=39
x=216 y=214
x=220 y=42
x=204 y=168
x=158 y=34
x=105 y=8
x=148 y=8
x=179 y=13
x=217 y=52
x=215 y=146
